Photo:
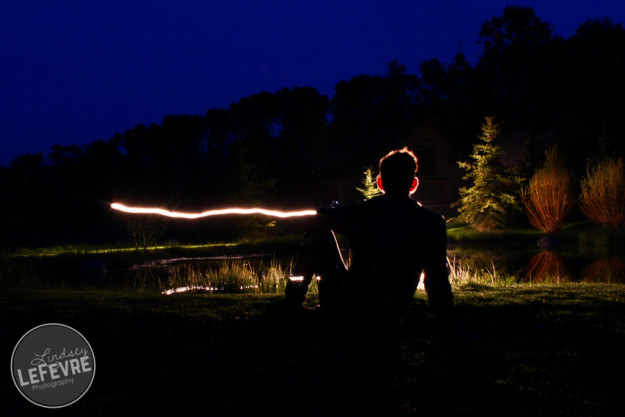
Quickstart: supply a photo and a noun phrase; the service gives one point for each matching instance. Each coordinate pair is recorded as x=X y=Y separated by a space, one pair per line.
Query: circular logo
x=53 y=365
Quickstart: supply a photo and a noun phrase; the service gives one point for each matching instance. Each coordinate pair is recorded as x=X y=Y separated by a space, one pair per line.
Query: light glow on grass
x=300 y=278
x=179 y=290
x=88 y=250
x=220 y=212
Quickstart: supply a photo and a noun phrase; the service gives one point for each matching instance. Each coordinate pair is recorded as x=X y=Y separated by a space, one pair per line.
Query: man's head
x=397 y=172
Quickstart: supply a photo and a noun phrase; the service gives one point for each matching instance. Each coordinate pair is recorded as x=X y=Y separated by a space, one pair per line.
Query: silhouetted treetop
x=518 y=27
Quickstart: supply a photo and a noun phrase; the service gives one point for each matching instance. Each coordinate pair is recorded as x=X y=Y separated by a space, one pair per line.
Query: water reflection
x=605 y=270
x=468 y=263
x=530 y=265
x=548 y=266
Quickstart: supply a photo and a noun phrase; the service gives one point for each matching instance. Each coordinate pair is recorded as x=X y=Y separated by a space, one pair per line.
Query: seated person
x=393 y=241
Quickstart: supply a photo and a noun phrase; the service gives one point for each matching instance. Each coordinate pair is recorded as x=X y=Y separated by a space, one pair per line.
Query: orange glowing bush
x=548 y=198
x=602 y=197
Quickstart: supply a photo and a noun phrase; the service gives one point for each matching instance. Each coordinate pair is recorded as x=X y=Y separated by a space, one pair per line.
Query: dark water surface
x=528 y=263
x=260 y=272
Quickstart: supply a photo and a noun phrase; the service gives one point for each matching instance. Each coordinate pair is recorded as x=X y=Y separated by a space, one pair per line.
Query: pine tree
x=490 y=201
x=369 y=185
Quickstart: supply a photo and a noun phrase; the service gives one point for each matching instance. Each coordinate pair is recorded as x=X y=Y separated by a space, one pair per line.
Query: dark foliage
x=277 y=147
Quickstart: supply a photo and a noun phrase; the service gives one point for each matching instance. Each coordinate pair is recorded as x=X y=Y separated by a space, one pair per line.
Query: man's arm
x=337 y=219
x=436 y=279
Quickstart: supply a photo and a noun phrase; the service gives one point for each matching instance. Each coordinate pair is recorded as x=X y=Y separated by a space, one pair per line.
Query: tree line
x=267 y=147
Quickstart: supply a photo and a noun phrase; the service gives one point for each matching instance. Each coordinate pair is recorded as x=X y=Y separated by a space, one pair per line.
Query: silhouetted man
x=393 y=241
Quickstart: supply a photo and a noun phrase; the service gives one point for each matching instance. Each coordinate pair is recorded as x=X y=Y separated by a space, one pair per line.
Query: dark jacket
x=393 y=240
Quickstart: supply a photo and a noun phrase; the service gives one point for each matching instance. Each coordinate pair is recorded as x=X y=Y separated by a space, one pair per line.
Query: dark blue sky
x=75 y=71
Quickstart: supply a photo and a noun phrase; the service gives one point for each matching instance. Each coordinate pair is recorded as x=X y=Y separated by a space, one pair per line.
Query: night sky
x=73 y=72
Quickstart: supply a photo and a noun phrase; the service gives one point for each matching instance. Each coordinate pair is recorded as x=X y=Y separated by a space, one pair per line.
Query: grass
x=61 y=265
x=545 y=350
x=465 y=234
x=468 y=263
x=88 y=249
x=581 y=238
x=160 y=250
x=229 y=276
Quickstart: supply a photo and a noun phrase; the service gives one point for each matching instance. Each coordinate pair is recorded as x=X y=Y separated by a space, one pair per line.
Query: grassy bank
x=577 y=234
x=545 y=350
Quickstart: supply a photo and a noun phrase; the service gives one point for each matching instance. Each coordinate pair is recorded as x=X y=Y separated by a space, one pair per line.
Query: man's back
x=393 y=239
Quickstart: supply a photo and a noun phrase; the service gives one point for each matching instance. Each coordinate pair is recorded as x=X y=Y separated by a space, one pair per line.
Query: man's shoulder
x=429 y=214
x=384 y=206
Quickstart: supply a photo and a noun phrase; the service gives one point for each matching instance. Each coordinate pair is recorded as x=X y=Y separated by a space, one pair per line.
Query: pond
x=530 y=264
x=508 y=263
x=267 y=273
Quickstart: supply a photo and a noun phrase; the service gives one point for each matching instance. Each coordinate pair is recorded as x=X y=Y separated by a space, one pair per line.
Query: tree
x=450 y=95
x=369 y=185
x=548 y=198
x=518 y=27
x=490 y=201
x=512 y=63
x=593 y=112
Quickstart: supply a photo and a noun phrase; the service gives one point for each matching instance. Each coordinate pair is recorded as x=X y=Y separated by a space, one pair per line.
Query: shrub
x=145 y=229
x=369 y=185
x=602 y=197
x=548 y=198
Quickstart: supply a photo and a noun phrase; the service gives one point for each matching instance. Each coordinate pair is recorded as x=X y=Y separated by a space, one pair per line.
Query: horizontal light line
x=220 y=212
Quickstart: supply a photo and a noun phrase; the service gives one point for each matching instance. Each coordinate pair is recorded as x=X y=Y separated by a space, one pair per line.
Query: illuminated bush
x=602 y=197
x=369 y=185
x=548 y=198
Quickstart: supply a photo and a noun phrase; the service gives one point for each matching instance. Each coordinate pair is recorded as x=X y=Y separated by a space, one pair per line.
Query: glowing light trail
x=220 y=212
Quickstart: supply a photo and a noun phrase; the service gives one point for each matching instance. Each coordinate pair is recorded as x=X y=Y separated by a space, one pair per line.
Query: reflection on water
x=467 y=263
x=548 y=266
x=160 y=263
x=530 y=265
x=605 y=270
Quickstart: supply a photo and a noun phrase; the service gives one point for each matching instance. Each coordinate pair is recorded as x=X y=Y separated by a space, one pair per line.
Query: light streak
x=220 y=212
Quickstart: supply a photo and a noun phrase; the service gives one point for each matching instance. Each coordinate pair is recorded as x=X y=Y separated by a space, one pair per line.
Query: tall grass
x=231 y=276
x=549 y=198
x=461 y=274
x=602 y=197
